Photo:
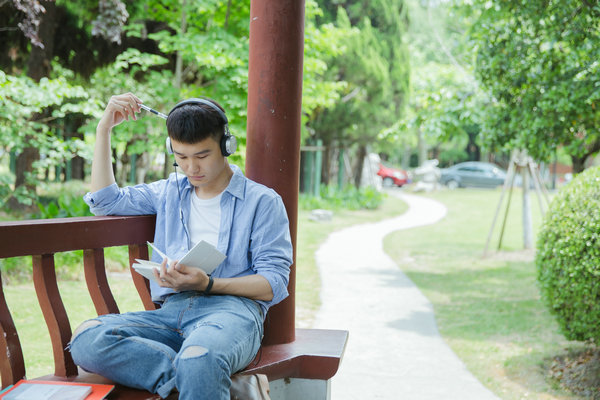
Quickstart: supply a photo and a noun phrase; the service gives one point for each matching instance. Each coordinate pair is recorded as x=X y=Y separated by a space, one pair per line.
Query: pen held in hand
x=153 y=111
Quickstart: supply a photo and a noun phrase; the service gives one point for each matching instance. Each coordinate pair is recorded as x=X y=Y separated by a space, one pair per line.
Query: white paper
x=41 y=391
x=203 y=255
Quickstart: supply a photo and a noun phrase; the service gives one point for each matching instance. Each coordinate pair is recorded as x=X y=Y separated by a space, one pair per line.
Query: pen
x=153 y=111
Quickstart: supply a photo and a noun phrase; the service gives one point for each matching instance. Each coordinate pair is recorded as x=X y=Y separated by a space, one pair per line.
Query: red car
x=392 y=176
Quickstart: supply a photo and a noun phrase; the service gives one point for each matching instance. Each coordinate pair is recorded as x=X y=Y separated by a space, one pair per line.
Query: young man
x=208 y=327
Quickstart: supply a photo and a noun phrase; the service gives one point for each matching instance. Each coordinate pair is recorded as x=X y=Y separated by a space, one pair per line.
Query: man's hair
x=192 y=123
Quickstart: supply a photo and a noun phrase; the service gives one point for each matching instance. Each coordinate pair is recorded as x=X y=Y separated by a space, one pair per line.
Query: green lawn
x=487 y=309
x=34 y=334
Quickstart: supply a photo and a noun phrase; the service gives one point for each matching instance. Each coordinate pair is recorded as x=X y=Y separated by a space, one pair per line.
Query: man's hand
x=120 y=108
x=180 y=277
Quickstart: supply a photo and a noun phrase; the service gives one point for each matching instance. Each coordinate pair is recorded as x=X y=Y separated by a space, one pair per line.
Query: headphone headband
x=228 y=142
x=206 y=102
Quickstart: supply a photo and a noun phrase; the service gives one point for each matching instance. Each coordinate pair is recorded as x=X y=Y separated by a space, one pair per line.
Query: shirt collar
x=236 y=185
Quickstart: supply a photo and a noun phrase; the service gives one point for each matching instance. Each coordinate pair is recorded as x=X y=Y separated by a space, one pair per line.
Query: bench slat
x=57 y=321
x=141 y=284
x=314 y=354
x=12 y=365
x=66 y=234
x=95 y=277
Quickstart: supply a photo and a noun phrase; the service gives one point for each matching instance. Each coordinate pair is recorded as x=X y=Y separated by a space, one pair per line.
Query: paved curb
x=394 y=350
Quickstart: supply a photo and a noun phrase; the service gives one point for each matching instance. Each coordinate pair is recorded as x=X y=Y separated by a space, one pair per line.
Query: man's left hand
x=180 y=277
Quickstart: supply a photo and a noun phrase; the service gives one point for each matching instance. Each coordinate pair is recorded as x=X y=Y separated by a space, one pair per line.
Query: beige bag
x=249 y=387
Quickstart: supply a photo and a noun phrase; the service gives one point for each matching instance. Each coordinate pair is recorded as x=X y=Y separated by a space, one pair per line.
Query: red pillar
x=273 y=132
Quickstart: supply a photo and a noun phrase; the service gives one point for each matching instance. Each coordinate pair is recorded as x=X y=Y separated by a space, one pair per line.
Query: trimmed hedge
x=568 y=257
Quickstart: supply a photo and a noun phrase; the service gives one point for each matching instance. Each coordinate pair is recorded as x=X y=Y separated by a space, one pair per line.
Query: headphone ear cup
x=168 y=145
x=228 y=145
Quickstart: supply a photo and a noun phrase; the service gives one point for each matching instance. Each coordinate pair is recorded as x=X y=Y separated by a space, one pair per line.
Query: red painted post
x=273 y=132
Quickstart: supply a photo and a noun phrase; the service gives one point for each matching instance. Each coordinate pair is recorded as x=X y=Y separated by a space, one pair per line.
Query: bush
x=568 y=257
x=349 y=198
x=62 y=200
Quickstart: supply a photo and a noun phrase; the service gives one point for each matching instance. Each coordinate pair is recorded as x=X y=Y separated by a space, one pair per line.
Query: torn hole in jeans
x=208 y=323
x=193 y=351
x=85 y=326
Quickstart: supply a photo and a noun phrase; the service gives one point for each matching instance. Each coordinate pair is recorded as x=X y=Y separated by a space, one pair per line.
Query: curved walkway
x=394 y=349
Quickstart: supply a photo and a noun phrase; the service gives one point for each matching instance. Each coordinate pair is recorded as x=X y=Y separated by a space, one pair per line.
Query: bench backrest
x=41 y=239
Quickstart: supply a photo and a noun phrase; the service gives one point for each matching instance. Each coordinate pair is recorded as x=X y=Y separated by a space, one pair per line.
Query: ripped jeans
x=192 y=343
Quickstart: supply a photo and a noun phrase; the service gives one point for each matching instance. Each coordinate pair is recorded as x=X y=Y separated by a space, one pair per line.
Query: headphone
x=228 y=143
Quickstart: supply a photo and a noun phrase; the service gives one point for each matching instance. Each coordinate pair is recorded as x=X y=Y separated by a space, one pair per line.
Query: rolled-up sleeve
x=112 y=200
x=271 y=247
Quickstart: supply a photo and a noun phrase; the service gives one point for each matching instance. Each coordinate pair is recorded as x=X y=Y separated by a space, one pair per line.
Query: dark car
x=474 y=174
x=392 y=176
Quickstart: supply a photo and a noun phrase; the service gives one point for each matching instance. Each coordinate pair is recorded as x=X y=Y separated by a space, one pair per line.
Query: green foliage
x=65 y=206
x=322 y=43
x=5 y=190
x=169 y=50
x=374 y=65
x=568 y=257
x=29 y=117
x=539 y=63
x=62 y=200
x=349 y=198
x=445 y=101
x=22 y=98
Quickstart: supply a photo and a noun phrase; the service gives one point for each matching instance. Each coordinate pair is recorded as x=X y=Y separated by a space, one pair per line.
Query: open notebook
x=203 y=255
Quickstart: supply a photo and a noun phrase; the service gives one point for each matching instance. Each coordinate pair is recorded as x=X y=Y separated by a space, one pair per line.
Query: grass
x=488 y=309
x=33 y=333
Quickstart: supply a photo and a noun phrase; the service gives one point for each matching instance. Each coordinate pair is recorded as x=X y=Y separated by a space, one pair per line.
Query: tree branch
x=227 y=14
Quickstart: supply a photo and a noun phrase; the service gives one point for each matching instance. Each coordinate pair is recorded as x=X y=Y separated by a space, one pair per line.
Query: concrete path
x=394 y=349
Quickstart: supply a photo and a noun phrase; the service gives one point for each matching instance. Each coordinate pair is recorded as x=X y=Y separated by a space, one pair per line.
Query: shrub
x=568 y=257
x=349 y=198
x=61 y=200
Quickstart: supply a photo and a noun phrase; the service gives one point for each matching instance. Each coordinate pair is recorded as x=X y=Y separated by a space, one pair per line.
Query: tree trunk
x=422 y=146
x=72 y=126
x=142 y=164
x=360 y=162
x=38 y=66
x=578 y=164
x=326 y=167
x=526 y=210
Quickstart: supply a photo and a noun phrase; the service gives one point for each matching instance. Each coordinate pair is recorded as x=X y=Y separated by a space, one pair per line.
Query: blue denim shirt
x=254 y=231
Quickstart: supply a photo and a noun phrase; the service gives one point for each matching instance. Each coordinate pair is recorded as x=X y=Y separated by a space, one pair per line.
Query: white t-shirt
x=205 y=219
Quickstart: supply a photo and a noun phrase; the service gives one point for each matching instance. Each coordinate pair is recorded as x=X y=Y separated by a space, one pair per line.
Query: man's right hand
x=120 y=108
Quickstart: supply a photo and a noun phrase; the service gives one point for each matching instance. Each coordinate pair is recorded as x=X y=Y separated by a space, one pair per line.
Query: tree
x=539 y=63
x=163 y=50
x=43 y=22
x=375 y=67
x=443 y=113
x=50 y=100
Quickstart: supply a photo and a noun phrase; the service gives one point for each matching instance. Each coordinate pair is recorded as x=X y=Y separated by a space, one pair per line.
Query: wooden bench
x=300 y=369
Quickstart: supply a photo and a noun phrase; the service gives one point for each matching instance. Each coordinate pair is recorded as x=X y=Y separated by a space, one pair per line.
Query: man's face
x=201 y=162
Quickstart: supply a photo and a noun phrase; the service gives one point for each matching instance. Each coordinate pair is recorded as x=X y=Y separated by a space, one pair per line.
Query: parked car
x=474 y=174
x=392 y=176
